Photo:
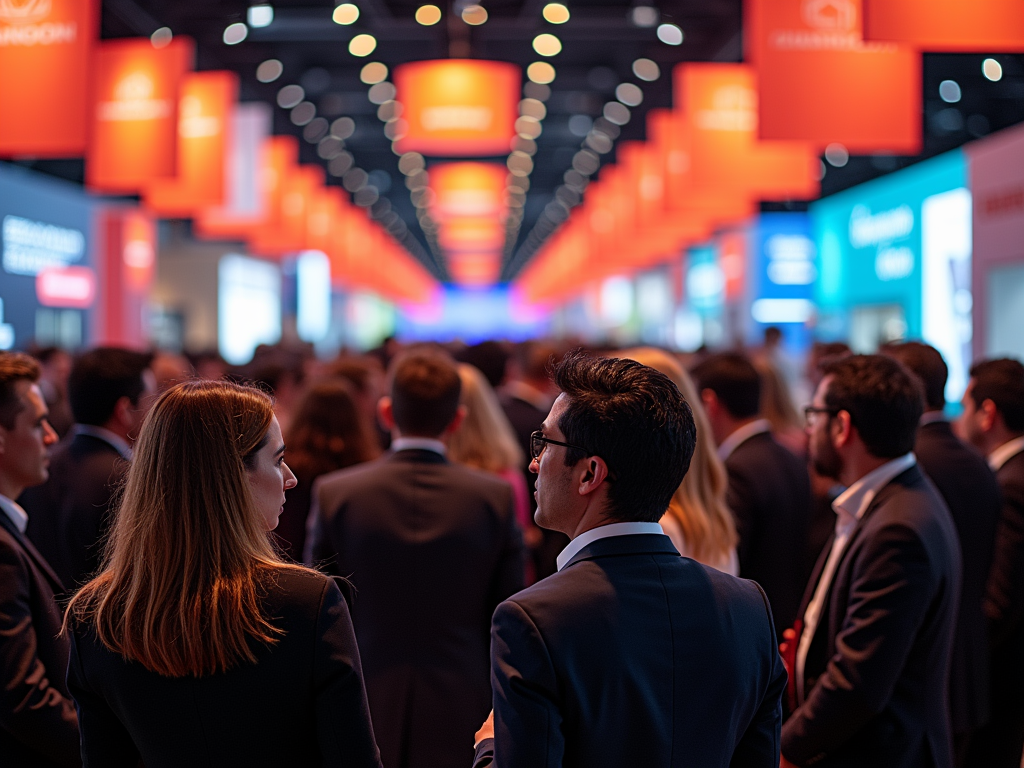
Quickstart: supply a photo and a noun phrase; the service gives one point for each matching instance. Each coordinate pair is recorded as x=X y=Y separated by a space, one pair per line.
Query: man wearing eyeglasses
x=629 y=654
x=869 y=682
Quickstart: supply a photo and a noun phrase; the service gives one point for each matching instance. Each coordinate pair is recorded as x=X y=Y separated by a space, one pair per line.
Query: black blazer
x=877 y=674
x=634 y=656
x=69 y=513
x=38 y=726
x=431 y=548
x=770 y=495
x=303 y=703
x=971 y=492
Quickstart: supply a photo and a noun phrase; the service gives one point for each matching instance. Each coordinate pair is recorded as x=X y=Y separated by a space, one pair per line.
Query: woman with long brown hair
x=698 y=520
x=328 y=432
x=196 y=644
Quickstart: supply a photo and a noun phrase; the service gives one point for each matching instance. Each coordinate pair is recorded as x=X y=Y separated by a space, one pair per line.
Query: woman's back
x=301 y=703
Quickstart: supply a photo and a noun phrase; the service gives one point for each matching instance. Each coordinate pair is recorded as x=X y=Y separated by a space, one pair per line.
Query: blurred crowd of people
x=888 y=541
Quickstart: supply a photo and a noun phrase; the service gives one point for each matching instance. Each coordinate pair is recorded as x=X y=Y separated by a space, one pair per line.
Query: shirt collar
x=931 y=417
x=16 y=513
x=855 y=500
x=101 y=433
x=418 y=444
x=603 y=532
x=1005 y=452
x=741 y=435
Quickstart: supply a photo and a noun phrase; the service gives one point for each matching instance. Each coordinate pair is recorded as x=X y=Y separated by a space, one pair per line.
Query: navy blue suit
x=634 y=656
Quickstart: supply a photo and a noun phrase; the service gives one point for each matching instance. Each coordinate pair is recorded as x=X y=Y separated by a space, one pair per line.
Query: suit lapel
x=33 y=553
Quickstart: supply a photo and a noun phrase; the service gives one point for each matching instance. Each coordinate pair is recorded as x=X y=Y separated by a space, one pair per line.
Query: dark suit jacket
x=971 y=492
x=69 y=513
x=431 y=548
x=770 y=495
x=38 y=726
x=303 y=703
x=634 y=656
x=877 y=674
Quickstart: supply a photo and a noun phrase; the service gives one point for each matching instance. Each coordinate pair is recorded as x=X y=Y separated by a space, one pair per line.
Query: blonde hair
x=698 y=505
x=188 y=555
x=485 y=439
x=776 y=402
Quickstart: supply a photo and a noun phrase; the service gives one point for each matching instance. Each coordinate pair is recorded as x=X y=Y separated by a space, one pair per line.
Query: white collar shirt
x=741 y=435
x=849 y=507
x=603 y=532
x=101 y=433
x=418 y=444
x=1005 y=452
x=15 y=512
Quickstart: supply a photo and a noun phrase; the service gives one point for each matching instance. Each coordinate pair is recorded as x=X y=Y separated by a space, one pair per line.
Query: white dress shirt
x=418 y=444
x=1005 y=452
x=741 y=435
x=603 y=532
x=16 y=513
x=849 y=507
x=100 y=433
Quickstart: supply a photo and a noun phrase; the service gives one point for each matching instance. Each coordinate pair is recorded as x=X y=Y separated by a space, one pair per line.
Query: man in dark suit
x=629 y=655
x=871 y=662
x=38 y=724
x=993 y=421
x=109 y=390
x=432 y=548
x=769 y=489
x=969 y=488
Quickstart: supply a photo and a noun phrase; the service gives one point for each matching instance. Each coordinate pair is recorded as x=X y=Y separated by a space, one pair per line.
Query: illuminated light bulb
x=547 y=45
x=373 y=73
x=362 y=45
x=428 y=15
x=161 y=38
x=269 y=71
x=646 y=69
x=556 y=13
x=540 y=72
x=670 y=34
x=261 y=15
x=345 y=14
x=992 y=69
x=235 y=33
x=474 y=15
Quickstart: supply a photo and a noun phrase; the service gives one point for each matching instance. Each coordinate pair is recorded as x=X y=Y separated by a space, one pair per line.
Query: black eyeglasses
x=537 y=442
x=810 y=410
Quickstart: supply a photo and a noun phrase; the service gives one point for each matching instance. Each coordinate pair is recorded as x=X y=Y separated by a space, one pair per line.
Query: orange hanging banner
x=287 y=232
x=204 y=113
x=949 y=26
x=133 y=138
x=457 y=107
x=820 y=82
x=45 y=56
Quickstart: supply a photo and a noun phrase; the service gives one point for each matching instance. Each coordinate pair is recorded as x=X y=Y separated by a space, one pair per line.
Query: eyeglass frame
x=538 y=436
x=813 y=409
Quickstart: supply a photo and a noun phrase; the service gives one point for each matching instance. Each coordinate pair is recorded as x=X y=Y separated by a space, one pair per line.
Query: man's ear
x=594 y=474
x=457 y=419
x=841 y=429
x=123 y=411
x=988 y=414
x=710 y=400
x=385 y=412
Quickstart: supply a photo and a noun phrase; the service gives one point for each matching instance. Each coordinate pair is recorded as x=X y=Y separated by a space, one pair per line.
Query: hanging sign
x=953 y=26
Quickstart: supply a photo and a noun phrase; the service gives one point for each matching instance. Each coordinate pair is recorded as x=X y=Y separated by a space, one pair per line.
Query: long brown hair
x=699 y=503
x=188 y=556
x=328 y=431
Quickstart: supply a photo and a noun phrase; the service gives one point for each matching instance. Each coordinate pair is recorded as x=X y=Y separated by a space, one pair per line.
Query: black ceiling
x=600 y=44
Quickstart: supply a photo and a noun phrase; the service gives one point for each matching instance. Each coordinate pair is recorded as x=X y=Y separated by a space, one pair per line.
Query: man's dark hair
x=1001 y=381
x=536 y=359
x=883 y=398
x=425 y=388
x=100 y=378
x=14 y=367
x=734 y=380
x=488 y=357
x=635 y=419
x=925 y=362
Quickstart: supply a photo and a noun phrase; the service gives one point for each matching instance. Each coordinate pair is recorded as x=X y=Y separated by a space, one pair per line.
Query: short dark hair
x=634 y=418
x=734 y=380
x=425 y=389
x=1001 y=381
x=100 y=378
x=488 y=357
x=925 y=362
x=14 y=367
x=883 y=398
